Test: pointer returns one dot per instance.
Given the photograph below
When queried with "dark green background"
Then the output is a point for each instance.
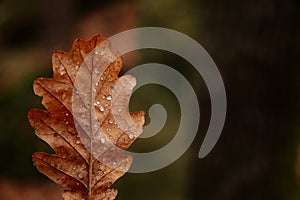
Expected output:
(255, 45)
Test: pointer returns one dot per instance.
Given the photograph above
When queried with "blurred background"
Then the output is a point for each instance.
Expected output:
(256, 46)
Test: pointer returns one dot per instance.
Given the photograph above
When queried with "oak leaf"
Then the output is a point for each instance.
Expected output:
(86, 120)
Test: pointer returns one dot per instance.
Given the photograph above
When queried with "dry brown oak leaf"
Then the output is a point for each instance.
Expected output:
(86, 120)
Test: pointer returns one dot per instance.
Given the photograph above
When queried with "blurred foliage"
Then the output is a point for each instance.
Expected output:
(256, 46)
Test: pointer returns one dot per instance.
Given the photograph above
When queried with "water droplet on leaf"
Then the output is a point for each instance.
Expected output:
(108, 97)
(101, 108)
(102, 140)
(130, 135)
(80, 175)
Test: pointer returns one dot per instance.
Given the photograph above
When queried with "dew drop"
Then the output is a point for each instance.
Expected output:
(80, 175)
(108, 97)
(101, 78)
(70, 129)
(110, 121)
(103, 97)
(77, 141)
(67, 114)
(101, 108)
(63, 96)
(102, 140)
(61, 70)
(109, 176)
(131, 136)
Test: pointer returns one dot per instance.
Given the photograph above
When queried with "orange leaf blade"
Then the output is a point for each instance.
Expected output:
(86, 120)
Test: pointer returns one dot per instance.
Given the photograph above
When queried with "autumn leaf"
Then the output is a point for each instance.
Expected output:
(86, 120)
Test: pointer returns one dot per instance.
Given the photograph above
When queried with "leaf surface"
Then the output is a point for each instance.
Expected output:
(86, 120)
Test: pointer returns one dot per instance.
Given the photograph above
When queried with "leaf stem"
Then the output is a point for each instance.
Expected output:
(90, 174)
